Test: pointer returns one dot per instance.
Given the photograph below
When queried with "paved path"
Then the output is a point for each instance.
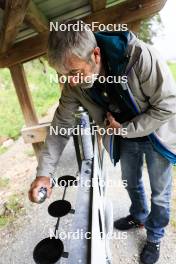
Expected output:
(17, 243)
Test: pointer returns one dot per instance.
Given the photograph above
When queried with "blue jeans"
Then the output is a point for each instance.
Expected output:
(160, 174)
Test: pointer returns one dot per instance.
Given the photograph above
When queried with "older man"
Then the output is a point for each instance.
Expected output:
(144, 105)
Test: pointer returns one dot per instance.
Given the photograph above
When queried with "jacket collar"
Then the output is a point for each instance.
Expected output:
(113, 46)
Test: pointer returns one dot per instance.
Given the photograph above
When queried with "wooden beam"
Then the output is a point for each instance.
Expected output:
(124, 13)
(24, 95)
(13, 18)
(127, 12)
(97, 5)
(25, 99)
(25, 50)
(2, 4)
(35, 18)
(35, 134)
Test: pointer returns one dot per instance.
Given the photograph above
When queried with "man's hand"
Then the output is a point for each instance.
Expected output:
(112, 123)
(40, 181)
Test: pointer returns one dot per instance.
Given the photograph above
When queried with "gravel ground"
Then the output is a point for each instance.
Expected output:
(18, 241)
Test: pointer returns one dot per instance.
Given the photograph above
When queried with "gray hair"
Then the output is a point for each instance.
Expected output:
(63, 43)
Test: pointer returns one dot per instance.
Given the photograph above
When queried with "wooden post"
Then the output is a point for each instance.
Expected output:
(25, 100)
(14, 14)
(97, 5)
(36, 18)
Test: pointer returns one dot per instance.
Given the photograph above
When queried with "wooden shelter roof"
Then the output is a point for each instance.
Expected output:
(25, 24)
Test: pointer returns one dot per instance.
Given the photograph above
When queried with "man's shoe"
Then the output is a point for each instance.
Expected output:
(150, 253)
(127, 223)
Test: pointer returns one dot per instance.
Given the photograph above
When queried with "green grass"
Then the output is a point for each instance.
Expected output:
(4, 182)
(44, 95)
(14, 204)
(4, 221)
(30, 153)
(172, 67)
(14, 208)
(2, 149)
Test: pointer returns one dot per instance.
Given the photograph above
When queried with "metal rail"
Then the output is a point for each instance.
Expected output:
(93, 216)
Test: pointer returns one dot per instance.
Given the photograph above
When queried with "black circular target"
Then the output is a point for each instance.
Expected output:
(48, 251)
(59, 208)
(67, 180)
